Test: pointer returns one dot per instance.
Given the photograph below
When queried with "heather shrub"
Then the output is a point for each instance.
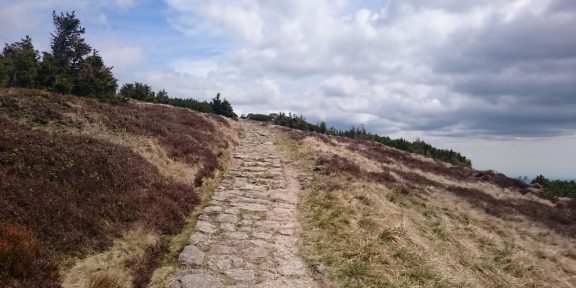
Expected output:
(18, 251)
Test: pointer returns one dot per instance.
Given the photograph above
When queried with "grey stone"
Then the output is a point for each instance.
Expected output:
(286, 232)
(199, 239)
(254, 207)
(213, 209)
(237, 235)
(204, 217)
(221, 249)
(262, 235)
(192, 256)
(196, 281)
(224, 262)
(287, 283)
(241, 275)
(228, 227)
(232, 210)
(214, 203)
(256, 252)
(268, 224)
(292, 267)
(227, 218)
(205, 227)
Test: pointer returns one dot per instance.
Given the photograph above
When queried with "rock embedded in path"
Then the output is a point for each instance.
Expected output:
(241, 274)
(192, 256)
(196, 281)
(206, 227)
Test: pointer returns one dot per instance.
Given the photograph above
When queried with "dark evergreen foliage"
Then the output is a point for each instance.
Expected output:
(19, 64)
(138, 91)
(143, 92)
(200, 106)
(556, 188)
(222, 107)
(259, 117)
(95, 79)
(72, 67)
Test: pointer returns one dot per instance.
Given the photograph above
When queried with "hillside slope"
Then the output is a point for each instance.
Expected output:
(75, 174)
(375, 216)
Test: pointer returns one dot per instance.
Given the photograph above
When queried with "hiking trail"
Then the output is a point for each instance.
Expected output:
(247, 234)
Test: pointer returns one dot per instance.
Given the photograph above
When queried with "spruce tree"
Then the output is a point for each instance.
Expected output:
(222, 107)
(94, 79)
(69, 49)
(138, 91)
(19, 63)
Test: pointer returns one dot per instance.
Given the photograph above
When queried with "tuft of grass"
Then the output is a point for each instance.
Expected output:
(439, 231)
(420, 275)
(355, 270)
(102, 281)
(18, 251)
(391, 234)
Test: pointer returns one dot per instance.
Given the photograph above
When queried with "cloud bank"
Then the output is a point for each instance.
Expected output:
(493, 79)
(446, 67)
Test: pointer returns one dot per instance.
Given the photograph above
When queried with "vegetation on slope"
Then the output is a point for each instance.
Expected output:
(418, 146)
(75, 174)
(73, 67)
(378, 217)
(556, 188)
(144, 92)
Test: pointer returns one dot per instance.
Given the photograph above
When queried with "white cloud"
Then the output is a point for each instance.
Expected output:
(125, 4)
(411, 68)
(121, 54)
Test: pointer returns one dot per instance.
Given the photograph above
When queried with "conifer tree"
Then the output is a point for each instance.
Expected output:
(69, 49)
(222, 107)
(138, 91)
(19, 63)
(94, 79)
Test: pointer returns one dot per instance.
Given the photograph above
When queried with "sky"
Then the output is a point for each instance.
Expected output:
(492, 79)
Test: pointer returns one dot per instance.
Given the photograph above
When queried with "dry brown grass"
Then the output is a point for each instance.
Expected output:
(111, 268)
(76, 174)
(428, 226)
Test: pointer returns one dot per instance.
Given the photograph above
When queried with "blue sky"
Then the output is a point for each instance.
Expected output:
(492, 79)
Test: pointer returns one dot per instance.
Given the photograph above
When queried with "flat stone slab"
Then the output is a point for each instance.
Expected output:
(288, 283)
(213, 209)
(192, 256)
(206, 227)
(196, 281)
(227, 218)
(199, 239)
(254, 207)
(241, 275)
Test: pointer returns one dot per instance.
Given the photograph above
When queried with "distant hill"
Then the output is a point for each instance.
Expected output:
(376, 216)
(75, 174)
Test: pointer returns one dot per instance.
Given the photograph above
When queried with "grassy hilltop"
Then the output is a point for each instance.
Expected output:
(75, 174)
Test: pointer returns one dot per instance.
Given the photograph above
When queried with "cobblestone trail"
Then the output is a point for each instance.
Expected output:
(246, 236)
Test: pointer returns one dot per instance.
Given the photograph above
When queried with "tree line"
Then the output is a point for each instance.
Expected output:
(74, 67)
(556, 188)
(144, 92)
(418, 146)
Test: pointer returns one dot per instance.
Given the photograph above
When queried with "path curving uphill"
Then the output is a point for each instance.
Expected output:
(246, 236)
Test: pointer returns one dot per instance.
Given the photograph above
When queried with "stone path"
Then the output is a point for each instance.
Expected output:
(246, 236)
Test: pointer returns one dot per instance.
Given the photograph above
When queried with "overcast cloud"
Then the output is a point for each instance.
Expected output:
(457, 73)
